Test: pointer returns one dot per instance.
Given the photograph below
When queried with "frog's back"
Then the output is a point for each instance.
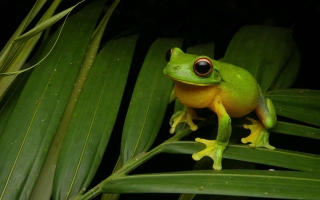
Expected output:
(239, 90)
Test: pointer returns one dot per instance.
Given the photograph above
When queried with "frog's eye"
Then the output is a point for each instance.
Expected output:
(168, 55)
(202, 67)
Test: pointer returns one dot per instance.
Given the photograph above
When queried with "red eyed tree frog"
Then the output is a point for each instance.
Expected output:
(227, 90)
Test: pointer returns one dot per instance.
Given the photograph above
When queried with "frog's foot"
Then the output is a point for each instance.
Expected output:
(186, 115)
(213, 149)
(259, 136)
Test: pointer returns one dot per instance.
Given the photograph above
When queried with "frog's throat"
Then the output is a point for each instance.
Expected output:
(189, 83)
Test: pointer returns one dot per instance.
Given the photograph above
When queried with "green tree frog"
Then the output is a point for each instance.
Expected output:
(227, 90)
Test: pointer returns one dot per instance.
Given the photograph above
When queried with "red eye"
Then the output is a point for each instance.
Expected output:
(202, 67)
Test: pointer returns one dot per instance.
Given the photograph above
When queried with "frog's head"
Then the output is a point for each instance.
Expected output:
(190, 69)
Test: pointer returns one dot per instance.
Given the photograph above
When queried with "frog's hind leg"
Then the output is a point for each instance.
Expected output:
(259, 136)
(266, 111)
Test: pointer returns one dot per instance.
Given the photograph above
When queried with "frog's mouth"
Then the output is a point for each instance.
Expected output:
(187, 82)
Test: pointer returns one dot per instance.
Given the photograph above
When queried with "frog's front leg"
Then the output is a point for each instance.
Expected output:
(259, 136)
(215, 148)
(186, 115)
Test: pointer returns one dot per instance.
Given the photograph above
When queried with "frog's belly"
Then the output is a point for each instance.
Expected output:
(239, 101)
(236, 103)
(195, 96)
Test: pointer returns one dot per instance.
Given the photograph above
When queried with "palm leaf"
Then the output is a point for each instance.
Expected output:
(93, 119)
(33, 123)
(144, 116)
(272, 184)
(299, 104)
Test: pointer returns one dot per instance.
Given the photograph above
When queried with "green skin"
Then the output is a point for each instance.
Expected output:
(229, 91)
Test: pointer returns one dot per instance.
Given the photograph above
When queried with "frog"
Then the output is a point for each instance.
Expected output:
(229, 91)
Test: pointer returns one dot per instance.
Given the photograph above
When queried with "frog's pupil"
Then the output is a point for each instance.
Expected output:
(202, 68)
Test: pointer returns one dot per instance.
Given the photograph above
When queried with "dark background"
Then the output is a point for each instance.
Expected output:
(196, 22)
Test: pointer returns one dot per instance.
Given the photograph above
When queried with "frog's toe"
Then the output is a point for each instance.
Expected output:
(208, 151)
(213, 150)
(193, 127)
(172, 129)
(259, 136)
(186, 115)
(177, 117)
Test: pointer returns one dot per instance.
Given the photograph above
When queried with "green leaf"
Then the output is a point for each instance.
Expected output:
(264, 51)
(298, 104)
(11, 100)
(278, 157)
(33, 12)
(252, 183)
(290, 72)
(297, 130)
(29, 132)
(93, 119)
(202, 49)
(19, 41)
(281, 158)
(43, 187)
(148, 103)
(12, 60)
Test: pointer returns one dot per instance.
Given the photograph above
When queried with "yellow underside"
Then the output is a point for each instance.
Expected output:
(236, 102)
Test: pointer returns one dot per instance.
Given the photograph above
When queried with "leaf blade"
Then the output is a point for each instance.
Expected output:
(33, 123)
(93, 118)
(262, 50)
(148, 102)
(299, 104)
(85, 18)
(252, 183)
(278, 157)
(297, 130)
